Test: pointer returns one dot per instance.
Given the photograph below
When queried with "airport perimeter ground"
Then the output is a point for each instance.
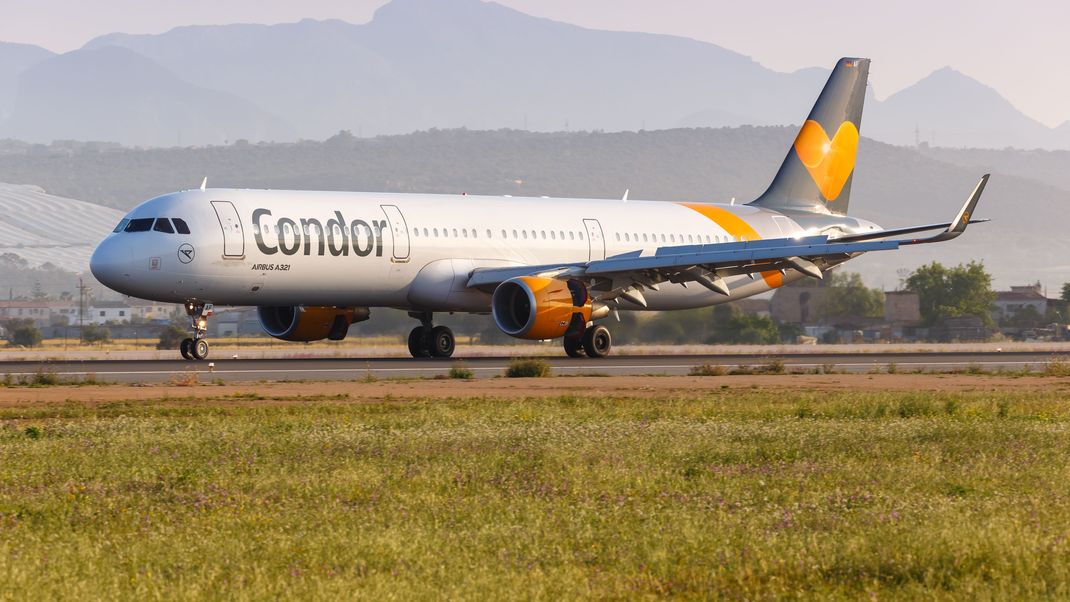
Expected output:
(885, 486)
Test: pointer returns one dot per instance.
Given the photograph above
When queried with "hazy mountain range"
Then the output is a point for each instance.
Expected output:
(421, 64)
(894, 186)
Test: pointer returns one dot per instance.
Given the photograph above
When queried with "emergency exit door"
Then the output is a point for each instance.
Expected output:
(596, 243)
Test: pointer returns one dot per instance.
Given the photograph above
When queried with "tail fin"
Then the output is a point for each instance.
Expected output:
(816, 175)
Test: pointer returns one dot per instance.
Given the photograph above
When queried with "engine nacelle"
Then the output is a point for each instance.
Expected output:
(531, 307)
(300, 323)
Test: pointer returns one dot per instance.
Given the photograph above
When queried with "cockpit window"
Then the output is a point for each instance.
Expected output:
(180, 225)
(140, 225)
(163, 225)
(122, 225)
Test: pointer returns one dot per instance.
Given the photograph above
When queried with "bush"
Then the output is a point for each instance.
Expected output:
(462, 371)
(528, 368)
(171, 337)
(707, 370)
(23, 333)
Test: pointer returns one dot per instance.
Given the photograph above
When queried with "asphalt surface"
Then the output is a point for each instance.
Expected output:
(237, 370)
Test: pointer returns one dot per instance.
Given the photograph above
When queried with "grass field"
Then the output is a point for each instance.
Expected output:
(750, 494)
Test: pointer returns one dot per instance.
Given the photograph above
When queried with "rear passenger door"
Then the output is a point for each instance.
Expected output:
(233, 234)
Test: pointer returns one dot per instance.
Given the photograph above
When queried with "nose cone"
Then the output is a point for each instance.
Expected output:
(110, 264)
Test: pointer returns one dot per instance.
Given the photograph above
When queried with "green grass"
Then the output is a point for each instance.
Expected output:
(739, 494)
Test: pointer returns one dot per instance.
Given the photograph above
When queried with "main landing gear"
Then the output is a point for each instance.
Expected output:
(428, 340)
(595, 342)
(196, 348)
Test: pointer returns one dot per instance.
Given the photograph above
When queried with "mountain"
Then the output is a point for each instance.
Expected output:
(420, 64)
(950, 109)
(423, 64)
(14, 59)
(112, 93)
(41, 228)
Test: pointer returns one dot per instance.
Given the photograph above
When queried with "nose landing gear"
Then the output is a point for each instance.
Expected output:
(428, 340)
(196, 348)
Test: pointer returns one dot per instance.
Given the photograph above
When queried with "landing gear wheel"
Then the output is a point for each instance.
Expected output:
(574, 346)
(597, 342)
(186, 348)
(199, 350)
(417, 344)
(442, 342)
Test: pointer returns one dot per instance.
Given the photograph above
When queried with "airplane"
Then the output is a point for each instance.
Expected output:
(314, 263)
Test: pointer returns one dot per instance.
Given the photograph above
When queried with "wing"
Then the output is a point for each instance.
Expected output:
(626, 276)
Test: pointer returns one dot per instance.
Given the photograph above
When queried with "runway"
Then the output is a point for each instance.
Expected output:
(239, 370)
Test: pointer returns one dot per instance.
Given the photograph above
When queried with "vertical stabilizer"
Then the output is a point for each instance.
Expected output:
(816, 175)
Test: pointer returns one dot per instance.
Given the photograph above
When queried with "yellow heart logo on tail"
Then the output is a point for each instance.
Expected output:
(830, 162)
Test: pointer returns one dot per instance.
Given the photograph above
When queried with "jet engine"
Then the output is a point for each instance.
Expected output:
(536, 308)
(301, 323)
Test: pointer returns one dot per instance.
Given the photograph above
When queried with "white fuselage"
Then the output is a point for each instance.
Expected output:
(409, 251)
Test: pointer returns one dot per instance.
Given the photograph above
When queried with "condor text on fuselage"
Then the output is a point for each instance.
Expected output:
(289, 236)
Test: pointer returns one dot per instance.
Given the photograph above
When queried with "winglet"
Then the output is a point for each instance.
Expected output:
(204, 183)
(958, 226)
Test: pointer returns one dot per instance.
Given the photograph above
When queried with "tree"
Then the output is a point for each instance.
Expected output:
(731, 325)
(23, 333)
(1066, 292)
(964, 290)
(848, 296)
(1026, 317)
(92, 333)
(171, 336)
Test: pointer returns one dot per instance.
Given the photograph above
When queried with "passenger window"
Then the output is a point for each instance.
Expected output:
(553, 235)
(525, 234)
(163, 225)
(514, 234)
(122, 225)
(455, 232)
(465, 232)
(618, 236)
(627, 237)
(571, 235)
(644, 237)
(581, 235)
(436, 232)
(489, 234)
(140, 225)
(415, 231)
(544, 234)
(425, 231)
(562, 235)
(180, 226)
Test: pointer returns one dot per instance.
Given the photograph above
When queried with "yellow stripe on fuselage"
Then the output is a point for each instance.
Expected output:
(738, 228)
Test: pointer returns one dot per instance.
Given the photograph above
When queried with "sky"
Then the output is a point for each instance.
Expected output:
(1018, 48)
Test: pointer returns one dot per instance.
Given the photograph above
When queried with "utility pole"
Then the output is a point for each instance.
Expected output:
(81, 312)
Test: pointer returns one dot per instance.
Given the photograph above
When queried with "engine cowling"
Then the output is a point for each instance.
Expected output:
(536, 308)
(301, 323)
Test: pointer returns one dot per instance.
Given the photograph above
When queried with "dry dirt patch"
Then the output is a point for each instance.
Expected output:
(609, 386)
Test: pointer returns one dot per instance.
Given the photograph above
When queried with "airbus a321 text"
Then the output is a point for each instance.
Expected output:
(314, 263)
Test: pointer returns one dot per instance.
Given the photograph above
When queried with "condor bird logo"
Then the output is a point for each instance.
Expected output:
(830, 162)
(186, 253)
